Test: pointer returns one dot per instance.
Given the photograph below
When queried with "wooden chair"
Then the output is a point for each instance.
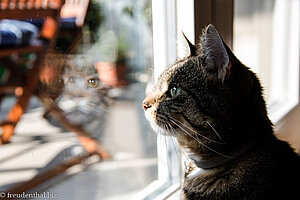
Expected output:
(50, 11)
(21, 10)
(75, 10)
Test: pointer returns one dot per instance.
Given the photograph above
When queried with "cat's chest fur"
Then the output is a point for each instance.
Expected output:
(269, 171)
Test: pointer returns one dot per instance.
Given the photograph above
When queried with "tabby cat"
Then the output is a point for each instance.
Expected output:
(78, 92)
(213, 105)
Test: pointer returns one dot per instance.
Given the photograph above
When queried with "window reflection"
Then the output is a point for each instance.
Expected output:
(92, 82)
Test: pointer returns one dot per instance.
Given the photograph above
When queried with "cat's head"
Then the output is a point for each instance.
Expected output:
(209, 97)
(81, 81)
(83, 86)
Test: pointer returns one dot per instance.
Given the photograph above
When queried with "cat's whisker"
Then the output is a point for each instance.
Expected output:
(186, 132)
(103, 108)
(170, 129)
(174, 146)
(167, 152)
(149, 68)
(214, 130)
(189, 134)
(161, 140)
(186, 158)
(195, 131)
(177, 152)
(173, 138)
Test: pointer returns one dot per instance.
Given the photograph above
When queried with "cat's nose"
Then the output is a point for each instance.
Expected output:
(146, 105)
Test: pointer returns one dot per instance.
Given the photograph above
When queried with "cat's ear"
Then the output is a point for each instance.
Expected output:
(192, 48)
(213, 52)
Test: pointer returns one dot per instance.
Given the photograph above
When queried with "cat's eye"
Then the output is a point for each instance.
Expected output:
(174, 92)
(93, 82)
(71, 80)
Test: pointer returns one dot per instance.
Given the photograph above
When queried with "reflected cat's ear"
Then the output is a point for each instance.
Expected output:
(192, 48)
(214, 53)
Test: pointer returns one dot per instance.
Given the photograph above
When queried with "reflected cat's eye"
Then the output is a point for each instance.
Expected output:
(93, 82)
(174, 92)
(71, 80)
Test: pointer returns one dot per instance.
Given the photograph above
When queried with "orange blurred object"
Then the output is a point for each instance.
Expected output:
(49, 28)
(49, 73)
(111, 74)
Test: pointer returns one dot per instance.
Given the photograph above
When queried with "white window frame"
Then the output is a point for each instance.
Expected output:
(164, 53)
(285, 69)
(284, 74)
(170, 18)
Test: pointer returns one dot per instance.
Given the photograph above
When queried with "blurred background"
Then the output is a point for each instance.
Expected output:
(113, 41)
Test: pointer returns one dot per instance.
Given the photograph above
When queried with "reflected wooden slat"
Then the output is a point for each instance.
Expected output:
(8, 51)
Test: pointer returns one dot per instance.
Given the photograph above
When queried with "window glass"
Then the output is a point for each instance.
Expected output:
(266, 38)
(116, 43)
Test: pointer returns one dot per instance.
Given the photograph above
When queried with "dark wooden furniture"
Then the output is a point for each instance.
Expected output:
(49, 11)
(75, 10)
(21, 10)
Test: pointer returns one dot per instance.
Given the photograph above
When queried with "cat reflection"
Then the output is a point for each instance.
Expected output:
(80, 94)
(85, 98)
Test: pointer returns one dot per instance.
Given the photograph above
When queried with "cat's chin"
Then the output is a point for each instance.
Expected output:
(155, 125)
(158, 129)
